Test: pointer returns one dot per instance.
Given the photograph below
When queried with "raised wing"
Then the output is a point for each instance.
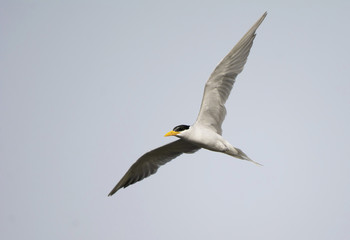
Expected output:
(218, 87)
(149, 163)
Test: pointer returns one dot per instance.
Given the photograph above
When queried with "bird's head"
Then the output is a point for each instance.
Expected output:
(178, 130)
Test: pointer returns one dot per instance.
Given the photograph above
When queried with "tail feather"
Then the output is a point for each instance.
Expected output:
(241, 155)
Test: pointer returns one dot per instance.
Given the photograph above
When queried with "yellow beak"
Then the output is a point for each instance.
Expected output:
(171, 133)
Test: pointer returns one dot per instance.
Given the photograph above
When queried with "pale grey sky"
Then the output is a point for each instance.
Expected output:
(86, 87)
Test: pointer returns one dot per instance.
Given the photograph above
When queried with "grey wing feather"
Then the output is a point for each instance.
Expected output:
(218, 87)
(149, 163)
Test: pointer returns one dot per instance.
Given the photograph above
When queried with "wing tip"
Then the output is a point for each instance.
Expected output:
(112, 192)
(117, 187)
(257, 24)
(263, 17)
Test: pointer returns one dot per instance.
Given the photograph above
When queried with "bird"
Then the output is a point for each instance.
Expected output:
(206, 132)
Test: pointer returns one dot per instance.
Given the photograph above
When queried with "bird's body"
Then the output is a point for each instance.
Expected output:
(206, 132)
(205, 137)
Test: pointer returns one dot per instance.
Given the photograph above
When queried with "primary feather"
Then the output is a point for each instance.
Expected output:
(149, 163)
(218, 87)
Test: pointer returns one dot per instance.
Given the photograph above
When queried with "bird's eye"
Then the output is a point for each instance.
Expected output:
(181, 128)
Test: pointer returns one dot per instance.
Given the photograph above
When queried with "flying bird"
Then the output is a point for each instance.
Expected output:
(206, 132)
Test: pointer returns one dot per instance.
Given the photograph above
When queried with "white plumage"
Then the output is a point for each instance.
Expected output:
(206, 131)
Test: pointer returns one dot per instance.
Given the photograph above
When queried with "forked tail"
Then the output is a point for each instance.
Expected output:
(241, 155)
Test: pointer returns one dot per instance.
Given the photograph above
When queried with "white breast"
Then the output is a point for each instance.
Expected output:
(206, 138)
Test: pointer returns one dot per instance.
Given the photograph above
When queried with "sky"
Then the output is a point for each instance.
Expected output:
(87, 87)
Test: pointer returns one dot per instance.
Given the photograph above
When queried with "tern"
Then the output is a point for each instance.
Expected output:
(206, 132)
